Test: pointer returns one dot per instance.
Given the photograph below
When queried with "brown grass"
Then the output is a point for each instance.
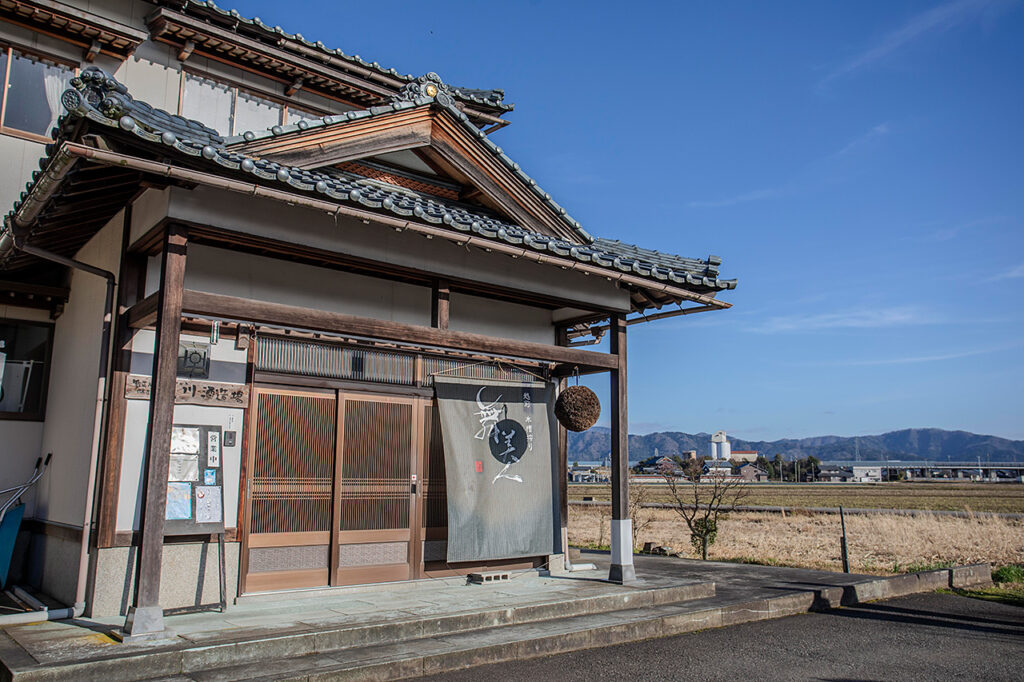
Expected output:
(878, 543)
(976, 497)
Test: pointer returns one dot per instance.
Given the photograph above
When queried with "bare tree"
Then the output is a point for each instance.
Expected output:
(701, 498)
(639, 495)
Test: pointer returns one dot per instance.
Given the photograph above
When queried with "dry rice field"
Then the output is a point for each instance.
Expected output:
(975, 497)
(878, 543)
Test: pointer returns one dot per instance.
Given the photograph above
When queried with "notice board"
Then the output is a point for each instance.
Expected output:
(195, 482)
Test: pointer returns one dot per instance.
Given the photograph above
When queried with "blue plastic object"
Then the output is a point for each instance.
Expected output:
(8, 536)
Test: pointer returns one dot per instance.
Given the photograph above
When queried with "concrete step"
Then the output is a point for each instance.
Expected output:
(246, 653)
(439, 654)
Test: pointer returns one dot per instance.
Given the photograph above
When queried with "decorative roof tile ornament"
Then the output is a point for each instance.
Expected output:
(427, 86)
(96, 95)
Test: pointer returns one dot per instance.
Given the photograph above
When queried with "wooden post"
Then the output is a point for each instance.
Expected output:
(131, 285)
(622, 526)
(439, 303)
(146, 617)
(563, 465)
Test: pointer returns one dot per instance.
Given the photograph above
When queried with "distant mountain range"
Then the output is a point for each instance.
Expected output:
(930, 444)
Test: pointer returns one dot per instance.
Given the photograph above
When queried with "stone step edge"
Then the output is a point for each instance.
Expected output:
(176, 659)
(797, 602)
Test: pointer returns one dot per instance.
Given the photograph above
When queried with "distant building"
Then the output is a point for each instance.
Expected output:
(717, 469)
(835, 475)
(720, 448)
(867, 474)
(752, 472)
(744, 455)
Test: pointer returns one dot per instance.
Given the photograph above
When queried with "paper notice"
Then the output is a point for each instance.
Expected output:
(213, 449)
(179, 501)
(208, 504)
(183, 468)
(185, 441)
(210, 477)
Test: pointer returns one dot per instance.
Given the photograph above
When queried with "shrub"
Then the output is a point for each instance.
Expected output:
(1012, 573)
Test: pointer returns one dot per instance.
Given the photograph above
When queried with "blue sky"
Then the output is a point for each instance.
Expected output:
(858, 166)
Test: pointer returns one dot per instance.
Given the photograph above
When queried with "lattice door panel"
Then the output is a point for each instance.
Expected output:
(375, 489)
(377, 465)
(291, 489)
(435, 490)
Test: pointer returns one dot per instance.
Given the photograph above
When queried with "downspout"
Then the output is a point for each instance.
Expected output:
(97, 434)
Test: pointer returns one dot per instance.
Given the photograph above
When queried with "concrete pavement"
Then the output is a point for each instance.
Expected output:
(410, 629)
(923, 637)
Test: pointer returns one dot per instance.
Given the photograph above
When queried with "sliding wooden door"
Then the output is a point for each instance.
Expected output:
(377, 479)
(290, 489)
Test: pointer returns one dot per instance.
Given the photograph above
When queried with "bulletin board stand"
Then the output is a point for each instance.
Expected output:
(195, 492)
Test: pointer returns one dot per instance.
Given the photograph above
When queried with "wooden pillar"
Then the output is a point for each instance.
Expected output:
(622, 526)
(439, 303)
(146, 615)
(131, 287)
(563, 464)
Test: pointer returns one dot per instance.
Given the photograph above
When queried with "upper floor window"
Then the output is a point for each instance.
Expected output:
(232, 111)
(31, 94)
(24, 368)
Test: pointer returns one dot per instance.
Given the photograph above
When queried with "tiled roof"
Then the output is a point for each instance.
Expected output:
(427, 90)
(99, 98)
(491, 98)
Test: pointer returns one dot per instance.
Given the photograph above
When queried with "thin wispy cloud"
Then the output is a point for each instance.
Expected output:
(918, 359)
(878, 131)
(1012, 273)
(946, 233)
(927, 24)
(756, 195)
(860, 318)
(811, 175)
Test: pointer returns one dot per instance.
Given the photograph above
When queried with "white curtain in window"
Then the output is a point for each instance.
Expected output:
(255, 113)
(209, 103)
(54, 82)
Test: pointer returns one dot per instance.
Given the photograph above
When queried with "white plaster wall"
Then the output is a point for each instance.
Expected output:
(498, 318)
(71, 398)
(20, 158)
(153, 75)
(226, 272)
(148, 210)
(276, 220)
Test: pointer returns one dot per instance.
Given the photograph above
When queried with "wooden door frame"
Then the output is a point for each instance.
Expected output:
(414, 551)
(245, 528)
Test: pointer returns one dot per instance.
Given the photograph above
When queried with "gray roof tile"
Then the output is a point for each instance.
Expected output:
(203, 146)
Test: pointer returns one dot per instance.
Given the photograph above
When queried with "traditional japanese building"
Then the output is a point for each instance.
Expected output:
(257, 290)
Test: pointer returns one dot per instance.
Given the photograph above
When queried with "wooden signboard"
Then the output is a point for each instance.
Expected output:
(191, 392)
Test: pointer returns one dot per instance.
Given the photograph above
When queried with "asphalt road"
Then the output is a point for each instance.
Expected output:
(920, 637)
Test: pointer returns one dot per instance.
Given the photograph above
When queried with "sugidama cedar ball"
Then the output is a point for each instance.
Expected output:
(577, 408)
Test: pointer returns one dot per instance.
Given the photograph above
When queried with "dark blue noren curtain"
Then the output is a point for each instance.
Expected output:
(500, 442)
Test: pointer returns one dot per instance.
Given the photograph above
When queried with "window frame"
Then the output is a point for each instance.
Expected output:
(39, 415)
(236, 87)
(9, 48)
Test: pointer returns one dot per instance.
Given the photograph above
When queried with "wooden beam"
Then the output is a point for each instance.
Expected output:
(261, 312)
(186, 51)
(146, 615)
(440, 300)
(335, 152)
(144, 313)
